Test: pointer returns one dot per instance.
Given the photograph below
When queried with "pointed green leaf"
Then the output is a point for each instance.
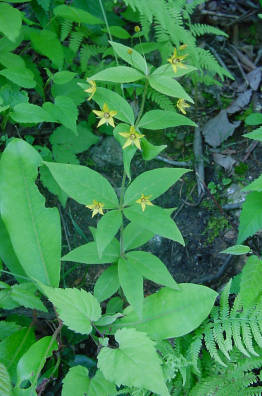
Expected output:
(24, 295)
(131, 56)
(167, 71)
(118, 74)
(107, 228)
(76, 15)
(251, 216)
(28, 113)
(150, 151)
(250, 283)
(134, 363)
(254, 119)
(171, 313)
(107, 284)
(133, 236)
(83, 184)
(128, 152)
(34, 230)
(237, 250)
(156, 220)
(76, 308)
(151, 268)
(10, 21)
(256, 134)
(76, 382)
(169, 86)
(67, 112)
(153, 183)
(161, 119)
(46, 43)
(63, 77)
(20, 76)
(131, 282)
(256, 185)
(99, 386)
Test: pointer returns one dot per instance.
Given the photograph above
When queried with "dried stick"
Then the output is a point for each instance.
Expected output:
(199, 162)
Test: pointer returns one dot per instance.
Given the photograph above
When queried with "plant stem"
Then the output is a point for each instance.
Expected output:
(142, 104)
(107, 26)
(122, 249)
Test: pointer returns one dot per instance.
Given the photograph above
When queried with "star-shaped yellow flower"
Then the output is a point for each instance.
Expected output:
(133, 138)
(96, 207)
(92, 89)
(143, 201)
(182, 105)
(177, 60)
(106, 116)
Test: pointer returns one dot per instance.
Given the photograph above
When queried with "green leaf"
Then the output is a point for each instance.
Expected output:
(118, 32)
(76, 308)
(63, 77)
(115, 102)
(83, 184)
(107, 284)
(24, 295)
(118, 74)
(156, 220)
(20, 76)
(237, 250)
(88, 254)
(5, 382)
(32, 362)
(99, 386)
(30, 113)
(64, 111)
(114, 305)
(10, 60)
(250, 283)
(10, 21)
(71, 90)
(107, 228)
(128, 152)
(46, 43)
(169, 86)
(8, 328)
(167, 71)
(133, 236)
(152, 268)
(76, 382)
(256, 134)
(150, 151)
(254, 119)
(256, 185)
(153, 183)
(250, 220)
(171, 313)
(134, 363)
(13, 347)
(12, 95)
(34, 230)
(134, 59)
(48, 181)
(131, 282)
(76, 15)
(161, 119)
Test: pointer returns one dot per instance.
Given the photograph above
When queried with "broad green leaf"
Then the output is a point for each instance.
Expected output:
(10, 60)
(156, 220)
(99, 386)
(6, 301)
(114, 305)
(63, 77)
(133, 236)
(71, 90)
(13, 347)
(64, 111)
(134, 363)
(131, 282)
(169, 86)
(8, 255)
(88, 254)
(5, 382)
(107, 284)
(32, 362)
(256, 134)
(48, 181)
(151, 268)
(150, 151)
(83, 184)
(10, 21)
(161, 119)
(20, 76)
(115, 102)
(107, 320)
(34, 230)
(107, 228)
(237, 250)
(118, 74)
(153, 183)
(24, 295)
(256, 185)
(12, 95)
(118, 31)
(76, 308)
(128, 152)
(76, 15)
(46, 43)
(250, 220)
(171, 313)
(250, 283)
(254, 119)
(131, 56)
(167, 71)
(8, 328)
(29, 113)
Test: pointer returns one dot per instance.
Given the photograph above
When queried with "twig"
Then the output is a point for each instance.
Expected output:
(251, 148)
(218, 57)
(238, 65)
(174, 163)
(210, 278)
(199, 162)
(243, 58)
(231, 206)
(218, 14)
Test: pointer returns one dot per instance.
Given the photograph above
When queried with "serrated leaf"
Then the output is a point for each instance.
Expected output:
(161, 119)
(134, 236)
(169, 86)
(76, 15)
(171, 313)
(5, 382)
(153, 183)
(46, 43)
(24, 295)
(134, 363)
(131, 56)
(76, 308)
(25, 215)
(118, 74)
(83, 184)
(107, 228)
(10, 21)
(251, 216)
(250, 283)
(237, 250)
(20, 76)
(107, 284)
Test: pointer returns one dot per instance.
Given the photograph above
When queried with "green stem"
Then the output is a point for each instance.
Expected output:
(142, 104)
(122, 248)
(107, 26)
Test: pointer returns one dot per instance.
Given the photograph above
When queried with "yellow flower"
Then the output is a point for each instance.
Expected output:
(106, 116)
(143, 201)
(96, 207)
(92, 89)
(182, 105)
(133, 138)
(177, 60)
(137, 29)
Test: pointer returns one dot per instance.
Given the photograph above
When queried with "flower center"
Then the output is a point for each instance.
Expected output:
(174, 61)
(106, 115)
(143, 200)
(132, 136)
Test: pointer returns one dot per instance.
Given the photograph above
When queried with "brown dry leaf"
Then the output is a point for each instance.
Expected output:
(241, 102)
(224, 160)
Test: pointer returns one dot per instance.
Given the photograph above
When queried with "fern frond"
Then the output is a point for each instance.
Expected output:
(75, 41)
(198, 29)
(162, 101)
(65, 29)
(208, 62)
(211, 345)
(190, 7)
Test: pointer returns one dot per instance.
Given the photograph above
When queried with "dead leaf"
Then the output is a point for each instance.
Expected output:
(224, 160)
(254, 78)
(240, 103)
(218, 129)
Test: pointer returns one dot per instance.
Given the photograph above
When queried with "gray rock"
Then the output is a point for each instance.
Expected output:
(108, 152)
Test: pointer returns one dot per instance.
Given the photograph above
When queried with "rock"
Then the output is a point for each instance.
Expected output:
(108, 152)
